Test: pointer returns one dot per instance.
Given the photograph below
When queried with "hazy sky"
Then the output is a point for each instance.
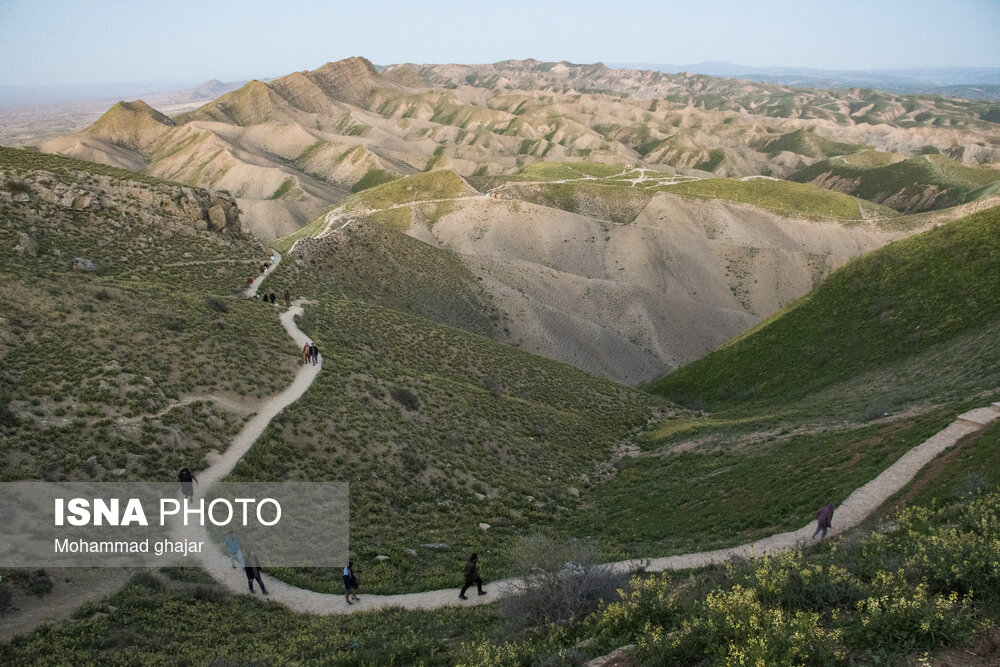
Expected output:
(84, 42)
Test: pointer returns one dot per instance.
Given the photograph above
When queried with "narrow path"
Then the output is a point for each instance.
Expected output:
(858, 506)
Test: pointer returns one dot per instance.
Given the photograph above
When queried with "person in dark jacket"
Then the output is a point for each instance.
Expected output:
(472, 576)
(185, 477)
(350, 583)
(252, 568)
(288, 299)
(314, 353)
(824, 519)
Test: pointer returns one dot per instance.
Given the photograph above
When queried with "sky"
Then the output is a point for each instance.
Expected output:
(93, 42)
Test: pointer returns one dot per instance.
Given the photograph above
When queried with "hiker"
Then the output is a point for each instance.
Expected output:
(824, 519)
(233, 547)
(185, 477)
(314, 353)
(272, 298)
(306, 352)
(263, 269)
(350, 583)
(252, 568)
(472, 576)
(250, 280)
(288, 298)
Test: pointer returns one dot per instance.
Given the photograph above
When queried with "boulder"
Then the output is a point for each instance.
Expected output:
(84, 264)
(82, 202)
(216, 218)
(26, 244)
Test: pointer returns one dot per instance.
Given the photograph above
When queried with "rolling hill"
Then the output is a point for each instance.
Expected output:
(289, 147)
(624, 273)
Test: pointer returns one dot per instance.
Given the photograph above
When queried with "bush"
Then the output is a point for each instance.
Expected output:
(7, 416)
(875, 411)
(218, 305)
(733, 627)
(406, 398)
(560, 582)
(16, 187)
(39, 583)
(5, 598)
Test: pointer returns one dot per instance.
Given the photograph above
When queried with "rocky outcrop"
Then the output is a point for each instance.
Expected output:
(93, 193)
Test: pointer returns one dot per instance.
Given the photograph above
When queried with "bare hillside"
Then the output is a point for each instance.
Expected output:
(290, 147)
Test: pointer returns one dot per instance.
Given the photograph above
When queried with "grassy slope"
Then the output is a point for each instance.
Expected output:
(89, 357)
(439, 184)
(816, 401)
(380, 265)
(776, 195)
(491, 420)
(809, 144)
(911, 179)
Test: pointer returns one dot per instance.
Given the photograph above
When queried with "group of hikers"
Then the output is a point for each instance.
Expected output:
(251, 563)
(310, 352)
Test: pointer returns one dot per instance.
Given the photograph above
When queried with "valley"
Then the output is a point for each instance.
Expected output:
(619, 332)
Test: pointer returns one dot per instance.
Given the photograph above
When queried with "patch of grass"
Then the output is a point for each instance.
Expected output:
(246, 631)
(719, 496)
(781, 196)
(715, 158)
(808, 143)
(372, 178)
(308, 230)
(441, 184)
(283, 189)
(614, 203)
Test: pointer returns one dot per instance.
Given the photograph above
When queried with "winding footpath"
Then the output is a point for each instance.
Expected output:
(857, 507)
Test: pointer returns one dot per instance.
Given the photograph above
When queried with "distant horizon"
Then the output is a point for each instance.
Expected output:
(175, 84)
(65, 43)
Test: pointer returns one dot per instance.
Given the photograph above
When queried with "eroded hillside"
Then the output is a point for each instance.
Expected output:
(289, 147)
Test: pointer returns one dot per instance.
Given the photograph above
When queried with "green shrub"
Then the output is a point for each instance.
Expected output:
(406, 398)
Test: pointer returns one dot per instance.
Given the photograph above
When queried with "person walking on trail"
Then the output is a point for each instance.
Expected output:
(314, 353)
(233, 547)
(306, 352)
(350, 583)
(272, 298)
(288, 299)
(252, 568)
(185, 477)
(824, 519)
(472, 577)
(263, 269)
(249, 280)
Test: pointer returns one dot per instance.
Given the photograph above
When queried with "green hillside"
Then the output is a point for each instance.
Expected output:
(881, 308)
(810, 144)
(921, 183)
(103, 370)
(781, 196)
(109, 375)
(827, 393)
